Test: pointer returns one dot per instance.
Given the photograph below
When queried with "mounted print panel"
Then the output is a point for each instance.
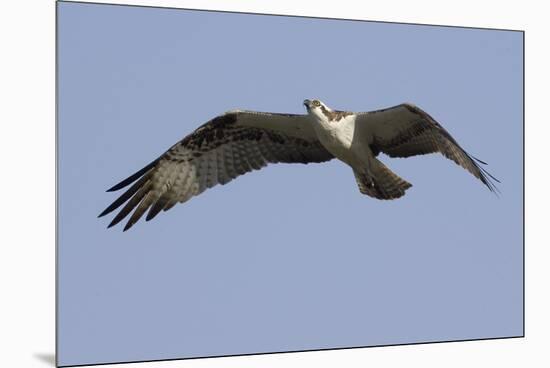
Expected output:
(271, 183)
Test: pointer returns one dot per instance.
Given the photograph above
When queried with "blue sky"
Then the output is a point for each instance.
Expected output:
(291, 257)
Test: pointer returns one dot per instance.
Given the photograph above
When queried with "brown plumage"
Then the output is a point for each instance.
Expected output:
(238, 142)
(406, 130)
(217, 152)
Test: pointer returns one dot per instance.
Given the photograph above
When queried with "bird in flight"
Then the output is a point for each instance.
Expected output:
(241, 141)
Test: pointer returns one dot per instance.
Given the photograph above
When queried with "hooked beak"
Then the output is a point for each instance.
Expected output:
(307, 103)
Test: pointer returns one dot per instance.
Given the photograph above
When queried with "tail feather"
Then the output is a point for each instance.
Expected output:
(384, 184)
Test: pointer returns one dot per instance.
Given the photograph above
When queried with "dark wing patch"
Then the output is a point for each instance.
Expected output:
(406, 130)
(215, 153)
(334, 115)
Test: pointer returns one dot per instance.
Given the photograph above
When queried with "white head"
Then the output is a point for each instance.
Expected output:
(318, 110)
(324, 114)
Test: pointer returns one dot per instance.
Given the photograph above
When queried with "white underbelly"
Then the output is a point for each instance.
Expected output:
(337, 142)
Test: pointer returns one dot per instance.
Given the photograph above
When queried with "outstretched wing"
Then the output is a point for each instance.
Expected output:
(217, 152)
(406, 130)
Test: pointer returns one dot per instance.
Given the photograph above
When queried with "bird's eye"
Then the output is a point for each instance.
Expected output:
(316, 103)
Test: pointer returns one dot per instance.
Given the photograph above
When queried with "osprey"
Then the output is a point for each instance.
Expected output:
(240, 141)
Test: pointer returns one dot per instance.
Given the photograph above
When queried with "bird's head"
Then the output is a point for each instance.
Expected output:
(317, 109)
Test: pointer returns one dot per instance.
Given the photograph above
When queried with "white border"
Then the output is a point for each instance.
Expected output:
(27, 183)
(394, 11)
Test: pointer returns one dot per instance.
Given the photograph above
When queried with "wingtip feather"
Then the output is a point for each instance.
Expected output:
(129, 180)
(478, 160)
